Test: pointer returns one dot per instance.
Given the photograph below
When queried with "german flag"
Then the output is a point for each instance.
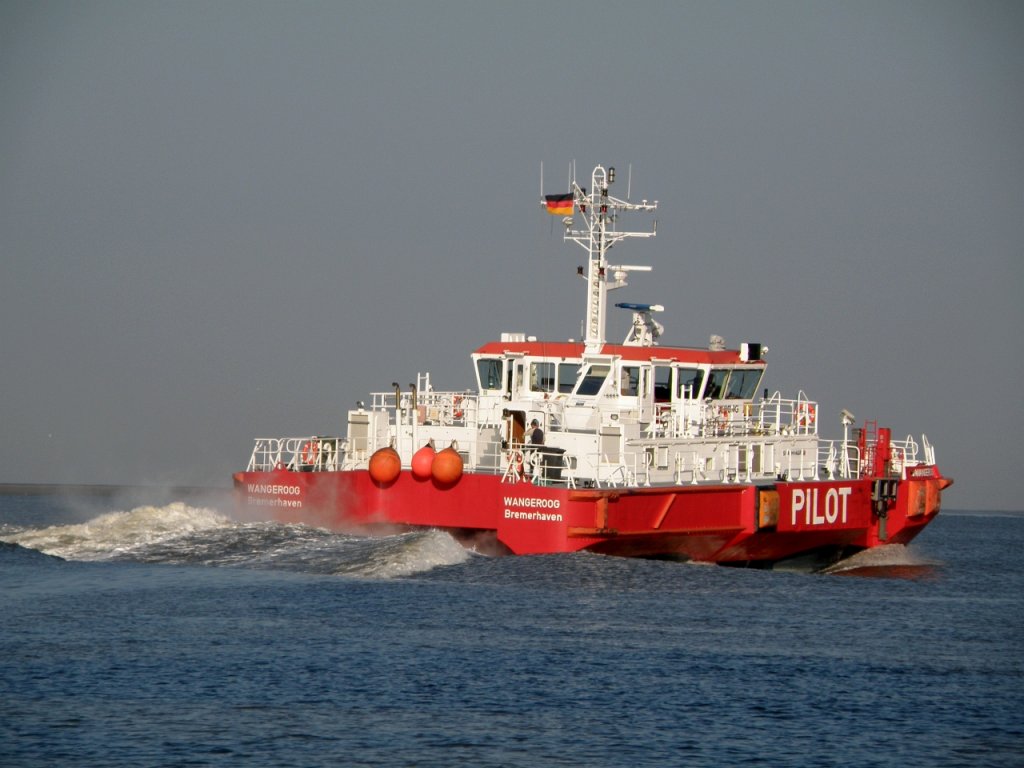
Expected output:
(559, 205)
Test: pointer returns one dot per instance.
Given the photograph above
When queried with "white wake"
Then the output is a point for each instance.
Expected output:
(120, 533)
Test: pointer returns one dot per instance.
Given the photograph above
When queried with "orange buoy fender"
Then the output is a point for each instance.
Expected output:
(422, 461)
(385, 466)
(447, 466)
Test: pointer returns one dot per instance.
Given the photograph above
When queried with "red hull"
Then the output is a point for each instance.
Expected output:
(732, 523)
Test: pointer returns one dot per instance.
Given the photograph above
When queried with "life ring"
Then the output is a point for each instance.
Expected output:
(663, 421)
(310, 451)
(457, 412)
(805, 414)
(721, 422)
(516, 463)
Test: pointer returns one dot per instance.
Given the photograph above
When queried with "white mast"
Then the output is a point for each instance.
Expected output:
(600, 218)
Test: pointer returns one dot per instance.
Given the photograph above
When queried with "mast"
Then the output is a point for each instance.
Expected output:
(600, 212)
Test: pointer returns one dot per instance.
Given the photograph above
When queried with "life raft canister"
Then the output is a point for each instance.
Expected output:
(385, 466)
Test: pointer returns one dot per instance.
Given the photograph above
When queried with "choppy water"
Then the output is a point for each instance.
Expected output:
(166, 633)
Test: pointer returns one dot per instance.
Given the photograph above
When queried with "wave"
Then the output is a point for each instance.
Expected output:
(15, 553)
(185, 535)
(119, 533)
(886, 561)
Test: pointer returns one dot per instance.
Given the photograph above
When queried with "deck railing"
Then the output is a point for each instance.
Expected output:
(773, 437)
(312, 453)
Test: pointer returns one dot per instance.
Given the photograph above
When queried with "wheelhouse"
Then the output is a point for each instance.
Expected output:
(524, 371)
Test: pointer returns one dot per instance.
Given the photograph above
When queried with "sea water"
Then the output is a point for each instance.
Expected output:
(158, 632)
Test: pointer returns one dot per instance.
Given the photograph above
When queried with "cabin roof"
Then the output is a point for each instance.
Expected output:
(576, 350)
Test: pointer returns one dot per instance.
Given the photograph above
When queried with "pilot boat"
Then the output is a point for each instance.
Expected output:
(634, 448)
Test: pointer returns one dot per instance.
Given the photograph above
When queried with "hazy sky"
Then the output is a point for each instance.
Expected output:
(224, 220)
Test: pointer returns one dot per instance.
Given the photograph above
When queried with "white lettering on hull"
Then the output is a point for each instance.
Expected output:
(291, 503)
(274, 490)
(548, 517)
(532, 502)
(806, 501)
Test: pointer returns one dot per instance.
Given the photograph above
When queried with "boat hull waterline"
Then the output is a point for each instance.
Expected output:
(728, 523)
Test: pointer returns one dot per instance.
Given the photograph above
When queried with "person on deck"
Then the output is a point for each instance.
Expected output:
(536, 433)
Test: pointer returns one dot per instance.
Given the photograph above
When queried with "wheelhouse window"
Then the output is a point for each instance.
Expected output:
(662, 383)
(593, 379)
(542, 377)
(689, 382)
(489, 371)
(716, 384)
(629, 380)
(743, 383)
(568, 373)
